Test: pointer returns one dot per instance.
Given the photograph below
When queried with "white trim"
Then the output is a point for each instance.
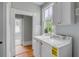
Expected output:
(4, 30)
(13, 12)
(23, 12)
(27, 43)
(8, 10)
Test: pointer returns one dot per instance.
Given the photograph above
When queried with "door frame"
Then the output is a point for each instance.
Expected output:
(6, 28)
(12, 26)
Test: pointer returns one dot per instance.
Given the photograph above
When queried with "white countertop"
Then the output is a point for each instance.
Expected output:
(53, 42)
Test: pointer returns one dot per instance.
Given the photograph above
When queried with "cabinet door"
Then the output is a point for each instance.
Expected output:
(63, 13)
(36, 48)
(57, 13)
(67, 13)
(46, 50)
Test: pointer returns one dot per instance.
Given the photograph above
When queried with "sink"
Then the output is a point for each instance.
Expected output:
(45, 37)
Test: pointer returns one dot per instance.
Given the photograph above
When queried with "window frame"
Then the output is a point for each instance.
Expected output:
(43, 15)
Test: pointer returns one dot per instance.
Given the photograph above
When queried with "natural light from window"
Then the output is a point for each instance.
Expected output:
(48, 20)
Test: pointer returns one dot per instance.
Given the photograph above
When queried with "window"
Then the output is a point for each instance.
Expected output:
(48, 26)
(17, 26)
(48, 13)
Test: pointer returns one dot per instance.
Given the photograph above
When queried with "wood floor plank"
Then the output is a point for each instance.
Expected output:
(24, 51)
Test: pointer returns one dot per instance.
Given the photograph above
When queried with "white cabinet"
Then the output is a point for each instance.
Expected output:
(65, 51)
(46, 50)
(51, 47)
(57, 13)
(36, 48)
(50, 51)
(63, 13)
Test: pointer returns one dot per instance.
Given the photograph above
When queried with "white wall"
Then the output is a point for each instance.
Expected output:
(29, 6)
(71, 30)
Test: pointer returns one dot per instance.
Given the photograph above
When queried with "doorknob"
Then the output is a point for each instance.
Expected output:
(1, 42)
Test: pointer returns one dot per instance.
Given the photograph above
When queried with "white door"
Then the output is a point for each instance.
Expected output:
(1, 49)
(46, 50)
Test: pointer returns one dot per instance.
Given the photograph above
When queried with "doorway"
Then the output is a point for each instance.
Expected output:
(12, 28)
(23, 36)
(18, 30)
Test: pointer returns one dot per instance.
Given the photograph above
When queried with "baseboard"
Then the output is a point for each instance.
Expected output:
(27, 43)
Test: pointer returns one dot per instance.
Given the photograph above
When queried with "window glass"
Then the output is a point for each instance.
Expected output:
(17, 26)
(48, 24)
(50, 11)
(46, 13)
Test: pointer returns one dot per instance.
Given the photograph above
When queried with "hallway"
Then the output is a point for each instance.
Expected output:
(24, 51)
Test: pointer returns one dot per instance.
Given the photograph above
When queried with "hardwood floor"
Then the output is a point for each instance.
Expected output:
(24, 51)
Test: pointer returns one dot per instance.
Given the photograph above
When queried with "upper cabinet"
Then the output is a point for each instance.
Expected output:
(63, 13)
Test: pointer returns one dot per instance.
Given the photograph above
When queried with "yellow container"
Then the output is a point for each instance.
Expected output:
(54, 52)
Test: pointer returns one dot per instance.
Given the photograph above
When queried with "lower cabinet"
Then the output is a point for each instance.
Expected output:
(43, 49)
(46, 50)
(50, 51)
